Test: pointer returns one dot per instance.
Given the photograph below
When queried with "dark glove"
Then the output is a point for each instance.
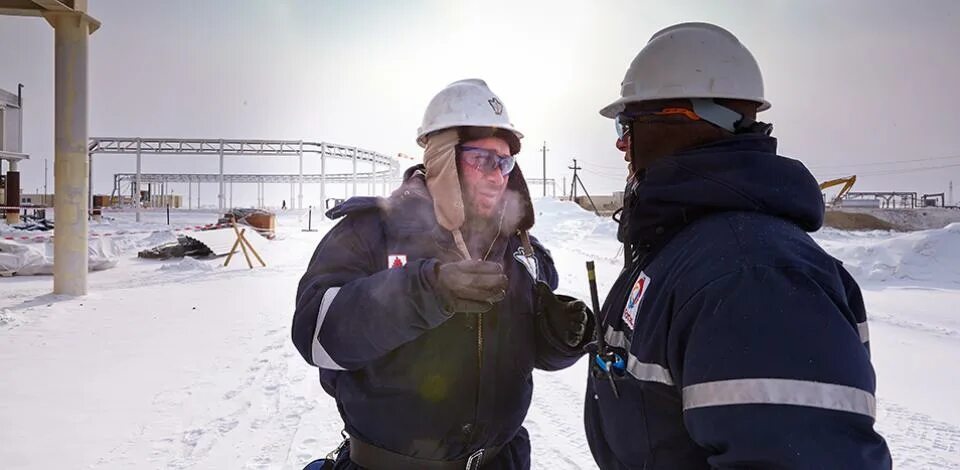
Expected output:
(470, 286)
(567, 318)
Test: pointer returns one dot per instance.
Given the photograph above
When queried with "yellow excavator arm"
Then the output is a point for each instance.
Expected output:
(847, 186)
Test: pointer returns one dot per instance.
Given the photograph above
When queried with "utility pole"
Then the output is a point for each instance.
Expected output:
(45, 182)
(573, 187)
(951, 192)
(544, 150)
(573, 183)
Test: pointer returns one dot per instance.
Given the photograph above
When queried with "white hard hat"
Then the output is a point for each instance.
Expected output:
(465, 103)
(691, 60)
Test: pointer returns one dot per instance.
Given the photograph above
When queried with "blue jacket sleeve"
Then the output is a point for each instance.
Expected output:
(552, 354)
(350, 309)
(774, 373)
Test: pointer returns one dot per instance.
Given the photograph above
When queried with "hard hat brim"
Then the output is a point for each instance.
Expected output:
(613, 109)
(422, 135)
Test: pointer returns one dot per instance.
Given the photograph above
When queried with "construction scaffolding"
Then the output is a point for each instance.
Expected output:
(382, 168)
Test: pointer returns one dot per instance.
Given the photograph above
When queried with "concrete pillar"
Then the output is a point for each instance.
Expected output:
(231, 194)
(70, 166)
(220, 200)
(373, 177)
(13, 193)
(300, 176)
(189, 195)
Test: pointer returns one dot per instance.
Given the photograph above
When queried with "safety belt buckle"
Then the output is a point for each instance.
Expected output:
(474, 461)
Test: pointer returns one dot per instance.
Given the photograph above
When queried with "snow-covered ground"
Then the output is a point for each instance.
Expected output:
(186, 364)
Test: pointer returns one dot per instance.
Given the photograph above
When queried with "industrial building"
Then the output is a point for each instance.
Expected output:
(11, 152)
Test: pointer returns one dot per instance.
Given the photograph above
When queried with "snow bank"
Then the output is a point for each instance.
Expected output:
(128, 243)
(564, 218)
(927, 256)
(912, 219)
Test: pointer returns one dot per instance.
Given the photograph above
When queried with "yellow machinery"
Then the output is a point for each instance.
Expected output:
(847, 186)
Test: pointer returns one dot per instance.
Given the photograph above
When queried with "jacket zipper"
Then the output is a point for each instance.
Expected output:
(476, 405)
(479, 341)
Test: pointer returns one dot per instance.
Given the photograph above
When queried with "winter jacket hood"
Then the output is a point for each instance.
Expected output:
(743, 174)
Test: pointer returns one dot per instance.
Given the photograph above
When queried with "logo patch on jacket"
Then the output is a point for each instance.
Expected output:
(529, 262)
(396, 261)
(636, 297)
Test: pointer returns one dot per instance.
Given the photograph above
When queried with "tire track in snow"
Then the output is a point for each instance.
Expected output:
(898, 321)
(266, 405)
(556, 435)
(918, 441)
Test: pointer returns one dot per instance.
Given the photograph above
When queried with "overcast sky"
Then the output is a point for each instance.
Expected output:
(854, 84)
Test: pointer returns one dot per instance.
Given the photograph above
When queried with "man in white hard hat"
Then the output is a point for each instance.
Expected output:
(427, 311)
(730, 339)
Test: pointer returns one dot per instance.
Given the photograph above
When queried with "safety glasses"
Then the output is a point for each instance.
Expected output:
(624, 120)
(486, 160)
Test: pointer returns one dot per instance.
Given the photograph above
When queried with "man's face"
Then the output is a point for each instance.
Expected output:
(483, 188)
(648, 136)
(623, 145)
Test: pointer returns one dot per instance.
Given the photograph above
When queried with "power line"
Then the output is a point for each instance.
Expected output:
(609, 167)
(897, 171)
(605, 175)
(888, 162)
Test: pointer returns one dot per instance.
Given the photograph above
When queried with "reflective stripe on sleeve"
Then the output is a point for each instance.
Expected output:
(645, 371)
(864, 331)
(780, 392)
(320, 356)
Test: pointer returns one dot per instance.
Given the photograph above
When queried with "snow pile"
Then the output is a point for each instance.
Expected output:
(927, 256)
(26, 259)
(17, 256)
(564, 218)
(128, 243)
(912, 219)
(187, 264)
(8, 318)
(565, 225)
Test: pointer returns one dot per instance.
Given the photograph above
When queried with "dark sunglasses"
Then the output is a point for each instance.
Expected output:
(485, 160)
(624, 121)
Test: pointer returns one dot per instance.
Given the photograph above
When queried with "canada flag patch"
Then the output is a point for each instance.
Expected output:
(396, 261)
(635, 299)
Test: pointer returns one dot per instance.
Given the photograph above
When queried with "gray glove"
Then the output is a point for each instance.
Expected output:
(470, 286)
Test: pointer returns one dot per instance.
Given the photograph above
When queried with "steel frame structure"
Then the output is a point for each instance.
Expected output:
(888, 198)
(221, 148)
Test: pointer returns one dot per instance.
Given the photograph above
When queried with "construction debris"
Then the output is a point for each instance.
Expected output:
(34, 224)
(264, 222)
(184, 246)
